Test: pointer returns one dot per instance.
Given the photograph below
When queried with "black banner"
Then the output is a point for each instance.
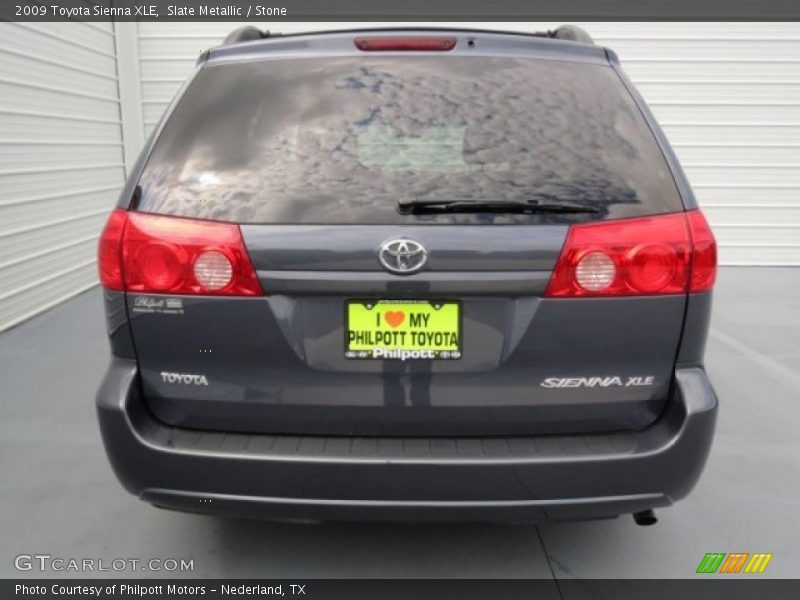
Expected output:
(729, 588)
(400, 10)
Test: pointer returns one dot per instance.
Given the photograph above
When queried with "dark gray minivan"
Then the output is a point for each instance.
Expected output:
(408, 274)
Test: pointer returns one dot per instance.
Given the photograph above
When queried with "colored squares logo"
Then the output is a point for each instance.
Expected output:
(734, 562)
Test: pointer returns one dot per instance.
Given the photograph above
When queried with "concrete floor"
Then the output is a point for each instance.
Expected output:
(60, 497)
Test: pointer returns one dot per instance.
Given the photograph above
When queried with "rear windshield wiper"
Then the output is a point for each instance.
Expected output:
(429, 205)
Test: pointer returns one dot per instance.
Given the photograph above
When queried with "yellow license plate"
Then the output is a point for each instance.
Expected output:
(403, 329)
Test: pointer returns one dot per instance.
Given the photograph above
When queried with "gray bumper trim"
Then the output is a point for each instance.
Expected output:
(569, 476)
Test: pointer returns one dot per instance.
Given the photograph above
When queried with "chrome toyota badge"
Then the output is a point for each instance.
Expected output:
(402, 256)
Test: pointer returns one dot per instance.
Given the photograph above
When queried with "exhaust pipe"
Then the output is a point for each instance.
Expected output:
(645, 517)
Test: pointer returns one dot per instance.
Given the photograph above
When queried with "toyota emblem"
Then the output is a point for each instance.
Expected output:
(402, 256)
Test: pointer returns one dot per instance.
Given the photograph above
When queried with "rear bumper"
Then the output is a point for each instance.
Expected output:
(484, 479)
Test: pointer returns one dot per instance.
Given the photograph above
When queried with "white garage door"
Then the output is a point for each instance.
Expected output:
(727, 95)
(61, 160)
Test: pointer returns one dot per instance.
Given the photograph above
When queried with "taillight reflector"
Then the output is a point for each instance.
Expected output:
(158, 254)
(419, 44)
(666, 254)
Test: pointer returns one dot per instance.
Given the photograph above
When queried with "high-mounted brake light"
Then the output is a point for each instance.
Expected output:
(666, 254)
(146, 253)
(405, 43)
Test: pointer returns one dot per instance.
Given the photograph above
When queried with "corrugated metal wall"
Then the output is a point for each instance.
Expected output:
(727, 95)
(61, 161)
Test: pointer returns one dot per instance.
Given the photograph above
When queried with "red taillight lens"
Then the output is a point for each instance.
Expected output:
(157, 254)
(159, 267)
(704, 262)
(109, 252)
(419, 44)
(667, 254)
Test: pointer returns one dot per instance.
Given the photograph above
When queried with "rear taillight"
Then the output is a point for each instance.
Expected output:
(155, 254)
(405, 43)
(109, 252)
(704, 256)
(667, 254)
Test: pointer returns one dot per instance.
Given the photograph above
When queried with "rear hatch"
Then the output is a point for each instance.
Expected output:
(401, 295)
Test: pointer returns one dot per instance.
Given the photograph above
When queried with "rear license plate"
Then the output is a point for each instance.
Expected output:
(403, 329)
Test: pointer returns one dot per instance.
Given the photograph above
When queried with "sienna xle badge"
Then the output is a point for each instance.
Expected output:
(408, 274)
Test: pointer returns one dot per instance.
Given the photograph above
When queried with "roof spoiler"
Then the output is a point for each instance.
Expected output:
(248, 33)
(571, 33)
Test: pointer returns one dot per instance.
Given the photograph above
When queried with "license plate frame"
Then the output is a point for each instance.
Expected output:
(409, 348)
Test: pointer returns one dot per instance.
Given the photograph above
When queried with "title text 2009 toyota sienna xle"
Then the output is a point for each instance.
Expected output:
(408, 274)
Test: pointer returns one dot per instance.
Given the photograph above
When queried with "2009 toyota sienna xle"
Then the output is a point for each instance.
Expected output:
(408, 274)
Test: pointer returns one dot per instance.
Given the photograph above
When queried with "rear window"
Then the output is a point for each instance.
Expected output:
(343, 139)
